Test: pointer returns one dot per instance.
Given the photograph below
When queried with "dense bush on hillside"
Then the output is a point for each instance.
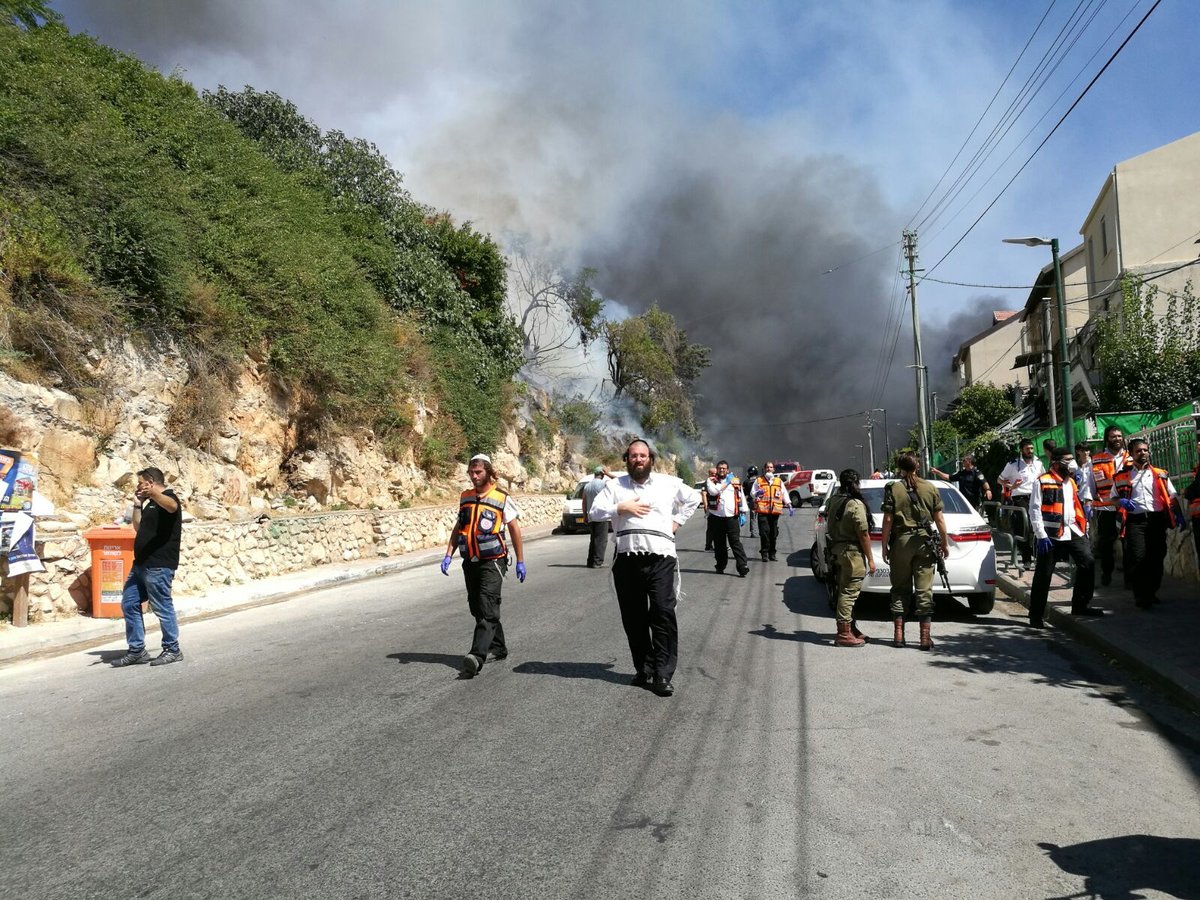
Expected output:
(127, 203)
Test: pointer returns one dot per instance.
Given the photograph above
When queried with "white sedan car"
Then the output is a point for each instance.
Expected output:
(971, 565)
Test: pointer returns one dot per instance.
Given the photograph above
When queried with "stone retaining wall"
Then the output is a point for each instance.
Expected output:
(221, 553)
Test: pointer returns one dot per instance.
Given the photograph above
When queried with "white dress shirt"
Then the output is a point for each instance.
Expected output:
(732, 503)
(1068, 504)
(1087, 483)
(1027, 472)
(671, 503)
(1141, 481)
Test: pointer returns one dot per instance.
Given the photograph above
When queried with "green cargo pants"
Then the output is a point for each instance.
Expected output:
(851, 569)
(912, 568)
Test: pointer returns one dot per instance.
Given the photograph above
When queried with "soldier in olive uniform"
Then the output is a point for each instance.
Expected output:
(904, 547)
(849, 538)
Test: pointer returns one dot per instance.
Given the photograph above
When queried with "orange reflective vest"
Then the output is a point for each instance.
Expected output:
(768, 496)
(1105, 467)
(1052, 506)
(1123, 488)
(481, 524)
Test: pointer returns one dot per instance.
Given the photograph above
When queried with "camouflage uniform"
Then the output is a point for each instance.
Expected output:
(847, 520)
(912, 564)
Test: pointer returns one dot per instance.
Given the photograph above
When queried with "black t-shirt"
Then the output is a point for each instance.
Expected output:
(159, 534)
(970, 483)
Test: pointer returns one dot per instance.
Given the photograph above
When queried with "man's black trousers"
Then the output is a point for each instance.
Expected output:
(646, 593)
(1145, 550)
(1023, 534)
(484, 581)
(768, 534)
(598, 544)
(1079, 551)
(1108, 528)
(727, 534)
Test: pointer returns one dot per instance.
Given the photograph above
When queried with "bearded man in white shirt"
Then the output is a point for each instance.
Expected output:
(646, 509)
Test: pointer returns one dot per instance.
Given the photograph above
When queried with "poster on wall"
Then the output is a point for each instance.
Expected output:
(9, 460)
(22, 552)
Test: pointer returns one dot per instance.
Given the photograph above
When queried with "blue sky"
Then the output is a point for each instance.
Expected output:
(717, 157)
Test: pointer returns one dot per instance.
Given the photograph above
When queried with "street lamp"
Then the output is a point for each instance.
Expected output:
(1065, 362)
(859, 448)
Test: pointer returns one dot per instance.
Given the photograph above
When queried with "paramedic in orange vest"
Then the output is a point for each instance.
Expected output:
(769, 499)
(1059, 526)
(484, 512)
(1146, 499)
(727, 508)
(1106, 520)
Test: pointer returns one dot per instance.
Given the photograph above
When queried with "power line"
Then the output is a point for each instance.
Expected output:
(1046, 139)
(983, 114)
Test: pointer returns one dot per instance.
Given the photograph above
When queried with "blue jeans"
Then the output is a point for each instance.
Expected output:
(154, 585)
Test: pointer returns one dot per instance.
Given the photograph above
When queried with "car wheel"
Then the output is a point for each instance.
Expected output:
(794, 497)
(812, 562)
(981, 604)
(831, 588)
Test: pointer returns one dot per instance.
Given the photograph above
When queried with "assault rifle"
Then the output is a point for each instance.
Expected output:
(929, 534)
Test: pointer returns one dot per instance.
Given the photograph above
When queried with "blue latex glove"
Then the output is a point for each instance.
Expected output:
(1044, 546)
(1087, 511)
(446, 564)
(1126, 505)
(791, 511)
(521, 572)
(1181, 523)
(742, 520)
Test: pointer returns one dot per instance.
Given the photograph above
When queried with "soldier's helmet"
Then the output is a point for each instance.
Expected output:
(752, 471)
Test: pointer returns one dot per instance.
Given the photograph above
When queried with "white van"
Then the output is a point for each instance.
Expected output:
(810, 486)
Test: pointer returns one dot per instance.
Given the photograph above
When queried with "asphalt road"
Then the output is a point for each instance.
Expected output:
(327, 747)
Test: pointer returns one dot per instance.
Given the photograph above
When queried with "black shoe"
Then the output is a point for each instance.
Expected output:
(1036, 623)
(1105, 579)
(742, 573)
(639, 680)
(167, 657)
(662, 687)
(720, 570)
(774, 558)
(498, 656)
(1088, 611)
(708, 548)
(471, 665)
(131, 659)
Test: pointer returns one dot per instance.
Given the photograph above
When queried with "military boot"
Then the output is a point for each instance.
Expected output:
(898, 632)
(846, 638)
(858, 634)
(926, 640)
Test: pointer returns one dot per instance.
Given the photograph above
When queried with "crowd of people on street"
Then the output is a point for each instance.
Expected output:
(1082, 501)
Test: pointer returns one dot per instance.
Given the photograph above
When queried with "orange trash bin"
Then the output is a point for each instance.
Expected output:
(112, 560)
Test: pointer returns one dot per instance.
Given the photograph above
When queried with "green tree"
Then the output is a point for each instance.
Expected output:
(651, 360)
(980, 408)
(1146, 360)
(28, 13)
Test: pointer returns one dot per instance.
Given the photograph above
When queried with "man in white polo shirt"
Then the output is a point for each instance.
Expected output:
(646, 509)
(1017, 479)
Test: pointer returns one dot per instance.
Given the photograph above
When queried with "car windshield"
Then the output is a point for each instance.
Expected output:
(780, 468)
(952, 501)
(578, 495)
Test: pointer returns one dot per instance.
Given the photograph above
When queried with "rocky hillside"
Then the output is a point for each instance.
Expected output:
(88, 449)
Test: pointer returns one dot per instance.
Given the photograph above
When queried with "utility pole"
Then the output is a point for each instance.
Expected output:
(870, 426)
(910, 251)
(1048, 360)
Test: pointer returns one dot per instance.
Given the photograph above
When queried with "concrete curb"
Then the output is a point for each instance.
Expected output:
(56, 638)
(1162, 676)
